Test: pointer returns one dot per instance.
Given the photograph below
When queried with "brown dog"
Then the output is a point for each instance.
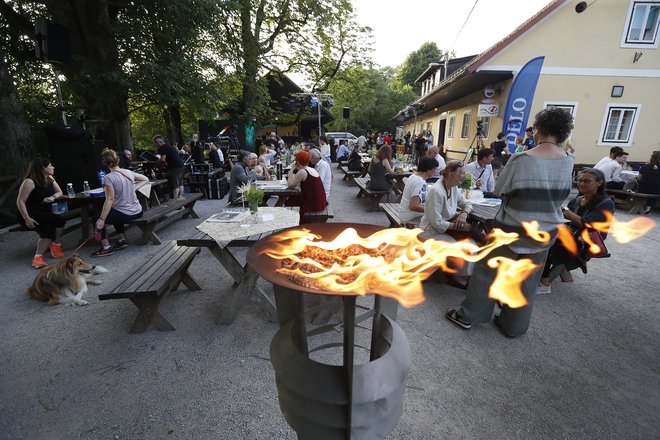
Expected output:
(64, 283)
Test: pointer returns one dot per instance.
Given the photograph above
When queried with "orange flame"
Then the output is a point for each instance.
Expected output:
(532, 229)
(623, 232)
(397, 268)
(566, 239)
(510, 275)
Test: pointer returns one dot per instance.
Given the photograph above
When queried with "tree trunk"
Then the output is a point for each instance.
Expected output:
(168, 126)
(15, 143)
(174, 112)
(94, 72)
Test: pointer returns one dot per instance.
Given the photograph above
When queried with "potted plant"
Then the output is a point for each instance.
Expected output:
(253, 195)
(466, 184)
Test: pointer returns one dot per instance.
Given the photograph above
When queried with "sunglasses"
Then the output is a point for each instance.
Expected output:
(454, 165)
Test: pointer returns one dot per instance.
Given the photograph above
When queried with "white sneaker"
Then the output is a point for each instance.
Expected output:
(543, 289)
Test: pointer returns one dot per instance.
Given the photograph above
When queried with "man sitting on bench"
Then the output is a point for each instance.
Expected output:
(612, 170)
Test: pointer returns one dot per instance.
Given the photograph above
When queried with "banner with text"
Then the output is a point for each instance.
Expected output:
(519, 103)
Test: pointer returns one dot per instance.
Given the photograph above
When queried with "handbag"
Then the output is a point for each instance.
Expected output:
(584, 249)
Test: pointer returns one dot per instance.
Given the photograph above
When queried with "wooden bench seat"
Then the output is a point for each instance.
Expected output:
(372, 195)
(637, 200)
(391, 210)
(160, 216)
(319, 216)
(350, 175)
(72, 224)
(149, 281)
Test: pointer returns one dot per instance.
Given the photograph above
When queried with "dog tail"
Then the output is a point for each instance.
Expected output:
(99, 269)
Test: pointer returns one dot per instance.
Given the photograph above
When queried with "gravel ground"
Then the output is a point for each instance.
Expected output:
(587, 368)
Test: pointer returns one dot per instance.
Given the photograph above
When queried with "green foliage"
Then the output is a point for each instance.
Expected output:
(417, 62)
(373, 95)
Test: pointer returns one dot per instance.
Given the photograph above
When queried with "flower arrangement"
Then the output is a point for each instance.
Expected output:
(253, 195)
(372, 152)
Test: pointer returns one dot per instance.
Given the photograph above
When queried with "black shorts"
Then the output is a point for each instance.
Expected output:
(175, 177)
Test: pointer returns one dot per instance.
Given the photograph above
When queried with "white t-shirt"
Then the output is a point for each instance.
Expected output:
(415, 186)
(612, 171)
(603, 161)
(121, 182)
(325, 150)
(362, 141)
(323, 168)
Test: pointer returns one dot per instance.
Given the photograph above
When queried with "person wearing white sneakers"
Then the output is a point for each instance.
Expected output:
(35, 197)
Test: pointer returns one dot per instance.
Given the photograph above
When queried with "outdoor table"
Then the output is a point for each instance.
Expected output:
(220, 237)
(88, 202)
(277, 188)
(484, 211)
(397, 178)
(629, 176)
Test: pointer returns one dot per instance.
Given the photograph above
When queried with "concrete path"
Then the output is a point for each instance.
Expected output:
(587, 369)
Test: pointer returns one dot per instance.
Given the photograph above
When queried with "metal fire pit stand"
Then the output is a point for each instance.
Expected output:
(321, 401)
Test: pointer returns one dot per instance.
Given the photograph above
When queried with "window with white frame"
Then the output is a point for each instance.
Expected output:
(485, 125)
(465, 128)
(450, 126)
(619, 124)
(642, 23)
(570, 106)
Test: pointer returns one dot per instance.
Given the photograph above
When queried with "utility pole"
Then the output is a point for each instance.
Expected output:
(318, 97)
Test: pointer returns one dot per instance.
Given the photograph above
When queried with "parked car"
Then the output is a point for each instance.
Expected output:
(342, 136)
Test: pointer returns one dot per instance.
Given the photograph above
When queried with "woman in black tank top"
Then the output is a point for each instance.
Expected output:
(35, 197)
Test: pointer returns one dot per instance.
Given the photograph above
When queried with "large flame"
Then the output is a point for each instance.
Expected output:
(622, 232)
(401, 263)
(509, 278)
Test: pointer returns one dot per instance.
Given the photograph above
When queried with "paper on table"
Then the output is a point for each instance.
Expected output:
(267, 217)
(229, 216)
(145, 189)
(487, 202)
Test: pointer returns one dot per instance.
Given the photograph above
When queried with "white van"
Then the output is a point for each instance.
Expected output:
(342, 136)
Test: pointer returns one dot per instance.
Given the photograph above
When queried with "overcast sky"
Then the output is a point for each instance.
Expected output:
(401, 26)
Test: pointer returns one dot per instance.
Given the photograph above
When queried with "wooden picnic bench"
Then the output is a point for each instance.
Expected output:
(350, 175)
(391, 210)
(148, 283)
(160, 216)
(319, 216)
(374, 196)
(245, 278)
(637, 200)
(72, 217)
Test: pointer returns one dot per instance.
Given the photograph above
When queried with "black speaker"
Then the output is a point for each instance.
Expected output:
(53, 41)
(76, 161)
(347, 113)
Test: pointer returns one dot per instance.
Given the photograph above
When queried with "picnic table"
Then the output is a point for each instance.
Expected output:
(398, 180)
(220, 238)
(276, 188)
(484, 211)
(88, 202)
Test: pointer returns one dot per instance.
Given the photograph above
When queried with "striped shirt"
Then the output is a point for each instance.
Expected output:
(533, 188)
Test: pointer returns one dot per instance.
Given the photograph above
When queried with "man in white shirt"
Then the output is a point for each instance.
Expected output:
(609, 158)
(362, 142)
(612, 170)
(434, 152)
(482, 171)
(324, 147)
(322, 167)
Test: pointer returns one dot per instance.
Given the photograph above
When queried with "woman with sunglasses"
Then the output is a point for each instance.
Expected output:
(591, 206)
(532, 187)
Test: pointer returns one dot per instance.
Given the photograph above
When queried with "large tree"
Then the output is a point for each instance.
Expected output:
(260, 35)
(417, 62)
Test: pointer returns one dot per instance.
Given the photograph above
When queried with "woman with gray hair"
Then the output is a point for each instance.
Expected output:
(533, 186)
(590, 206)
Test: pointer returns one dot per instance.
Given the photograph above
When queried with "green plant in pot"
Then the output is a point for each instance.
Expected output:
(466, 184)
(252, 195)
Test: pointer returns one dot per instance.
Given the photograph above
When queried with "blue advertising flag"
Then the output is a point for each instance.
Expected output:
(520, 101)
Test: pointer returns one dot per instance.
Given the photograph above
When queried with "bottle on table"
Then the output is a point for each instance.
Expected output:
(86, 187)
(69, 191)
